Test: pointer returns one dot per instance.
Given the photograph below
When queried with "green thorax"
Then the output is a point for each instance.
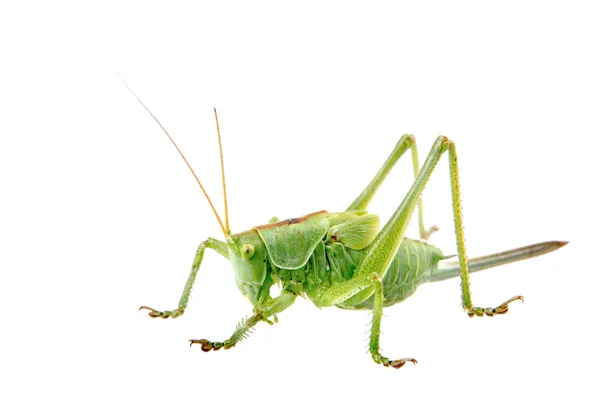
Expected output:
(312, 253)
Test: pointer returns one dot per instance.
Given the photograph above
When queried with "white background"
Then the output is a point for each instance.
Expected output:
(98, 215)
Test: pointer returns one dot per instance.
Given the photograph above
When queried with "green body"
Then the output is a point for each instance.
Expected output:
(345, 259)
(333, 262)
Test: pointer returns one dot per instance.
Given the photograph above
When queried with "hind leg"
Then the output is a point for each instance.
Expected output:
(365, 197)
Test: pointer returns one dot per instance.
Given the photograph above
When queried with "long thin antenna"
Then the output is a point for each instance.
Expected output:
(225, 232)
(222, 173)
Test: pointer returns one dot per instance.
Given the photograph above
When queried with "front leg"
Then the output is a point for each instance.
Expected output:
(211, 243)
(262, 312)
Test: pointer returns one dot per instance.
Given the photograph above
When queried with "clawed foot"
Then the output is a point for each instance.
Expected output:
(207, 345)
(163, 314)
(400, 363)
(397, 364)
(489, 311)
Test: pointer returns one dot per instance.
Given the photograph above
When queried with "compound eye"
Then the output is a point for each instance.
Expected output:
(247, 251)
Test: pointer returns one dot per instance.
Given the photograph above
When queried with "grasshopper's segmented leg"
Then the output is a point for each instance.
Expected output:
(262, 312)
(242, 331)
(460, 244)
(376, 329)
(365, 197)
(373, 282)
(211, 243)
(380, 253)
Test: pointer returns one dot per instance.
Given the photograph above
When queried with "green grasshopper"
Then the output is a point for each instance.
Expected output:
(343, 259)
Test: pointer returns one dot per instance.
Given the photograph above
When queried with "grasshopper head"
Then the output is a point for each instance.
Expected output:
(248, 257)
